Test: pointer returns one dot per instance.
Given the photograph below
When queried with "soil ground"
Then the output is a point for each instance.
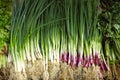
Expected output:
(57, 71)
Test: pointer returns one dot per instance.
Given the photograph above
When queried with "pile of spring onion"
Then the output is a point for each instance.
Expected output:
(56, 31)
(84, 41)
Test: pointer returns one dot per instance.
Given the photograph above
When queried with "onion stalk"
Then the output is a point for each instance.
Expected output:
(24, 44)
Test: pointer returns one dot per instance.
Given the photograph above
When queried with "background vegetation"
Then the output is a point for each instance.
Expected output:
(5, 20)
(109, 25)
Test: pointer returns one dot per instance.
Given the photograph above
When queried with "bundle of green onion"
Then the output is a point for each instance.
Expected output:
(84, 41)
(24, 43)
(51, 30)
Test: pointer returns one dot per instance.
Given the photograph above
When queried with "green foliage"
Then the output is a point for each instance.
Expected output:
(5, 20)
(109, 25)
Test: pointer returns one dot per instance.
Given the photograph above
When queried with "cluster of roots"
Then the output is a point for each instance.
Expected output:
(61, 71)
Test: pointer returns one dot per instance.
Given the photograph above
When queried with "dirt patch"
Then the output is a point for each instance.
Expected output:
(4, 73)
(58, 71)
